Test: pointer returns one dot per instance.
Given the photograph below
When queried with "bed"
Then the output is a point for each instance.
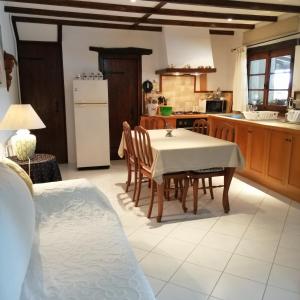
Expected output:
(79, 250)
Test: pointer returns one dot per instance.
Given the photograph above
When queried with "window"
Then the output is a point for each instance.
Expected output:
(270, 77)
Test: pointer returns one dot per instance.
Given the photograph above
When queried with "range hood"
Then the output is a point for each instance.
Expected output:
(188, 51)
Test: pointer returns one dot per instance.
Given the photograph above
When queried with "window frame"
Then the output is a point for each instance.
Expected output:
(268, 52)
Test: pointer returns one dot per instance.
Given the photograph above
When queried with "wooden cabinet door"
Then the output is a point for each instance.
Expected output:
(294, 168)
(279, 150)
(241, 138)
(256, 156)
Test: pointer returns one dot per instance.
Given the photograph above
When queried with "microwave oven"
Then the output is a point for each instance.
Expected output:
(212, 106)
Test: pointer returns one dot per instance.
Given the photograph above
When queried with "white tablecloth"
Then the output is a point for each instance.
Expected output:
(187, 151)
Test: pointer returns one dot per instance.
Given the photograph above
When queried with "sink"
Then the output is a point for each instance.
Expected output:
(260, 115)
(237, 116)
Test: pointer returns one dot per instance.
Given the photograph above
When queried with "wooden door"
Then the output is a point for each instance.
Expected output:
(294, 170)
(124, 92)
(257, 150)
(42, 86)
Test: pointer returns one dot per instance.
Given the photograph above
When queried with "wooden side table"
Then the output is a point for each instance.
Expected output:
(41, 168)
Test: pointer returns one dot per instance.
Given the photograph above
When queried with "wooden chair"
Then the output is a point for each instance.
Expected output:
(131, 158)
(201, 126)
(145, 161)
(155, 123)
(225, 132)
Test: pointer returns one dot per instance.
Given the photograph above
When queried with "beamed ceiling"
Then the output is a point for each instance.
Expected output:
(225, 15)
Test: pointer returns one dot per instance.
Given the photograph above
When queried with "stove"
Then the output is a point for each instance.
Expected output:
(186, 113)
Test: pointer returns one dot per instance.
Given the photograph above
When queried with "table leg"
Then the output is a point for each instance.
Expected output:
(160, 201)
(227, 181)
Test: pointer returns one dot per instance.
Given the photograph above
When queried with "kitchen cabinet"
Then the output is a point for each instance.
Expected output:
(256, 146)
(174, 120)
(241, 138)
(272, 154)
(279, 152)
(294, 163)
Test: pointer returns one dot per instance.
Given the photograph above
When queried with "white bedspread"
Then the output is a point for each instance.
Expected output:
(80, 250)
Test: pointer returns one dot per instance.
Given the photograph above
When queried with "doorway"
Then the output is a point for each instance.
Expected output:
(122, 67)
(42, 86)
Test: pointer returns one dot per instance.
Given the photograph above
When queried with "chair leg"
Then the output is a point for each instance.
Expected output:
(184, 193)
(153, 188)
(211, 190)
(149, 183)
(204, 185)
(135, 183)
(128, 182)
(139, 189)
(181, 188)
(195, 194)
(167, 186)
(176, 188)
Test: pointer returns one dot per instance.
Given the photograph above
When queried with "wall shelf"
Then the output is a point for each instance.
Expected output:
(187, 71)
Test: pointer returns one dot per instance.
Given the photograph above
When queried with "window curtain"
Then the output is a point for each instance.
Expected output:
(240, 80)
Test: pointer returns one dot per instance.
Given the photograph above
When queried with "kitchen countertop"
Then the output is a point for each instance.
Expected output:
(181, 116)
(269, 123)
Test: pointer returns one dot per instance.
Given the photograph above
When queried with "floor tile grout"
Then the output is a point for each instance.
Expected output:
(260, 207)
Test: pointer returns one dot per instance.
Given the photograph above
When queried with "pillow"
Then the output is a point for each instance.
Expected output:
(17, 224)
(21, 172)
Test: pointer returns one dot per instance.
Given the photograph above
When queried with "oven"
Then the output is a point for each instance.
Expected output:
(186, 123)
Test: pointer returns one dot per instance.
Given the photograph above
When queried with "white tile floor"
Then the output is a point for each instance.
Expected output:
(250, 254)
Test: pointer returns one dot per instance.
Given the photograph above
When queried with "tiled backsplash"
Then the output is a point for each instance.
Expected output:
(180, 92)
(184, 93)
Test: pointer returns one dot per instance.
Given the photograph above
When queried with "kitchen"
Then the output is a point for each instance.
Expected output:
(88, 66)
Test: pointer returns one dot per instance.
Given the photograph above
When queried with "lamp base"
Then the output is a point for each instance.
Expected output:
(23, 144)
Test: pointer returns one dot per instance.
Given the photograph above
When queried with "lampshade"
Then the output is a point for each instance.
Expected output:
(21, 116)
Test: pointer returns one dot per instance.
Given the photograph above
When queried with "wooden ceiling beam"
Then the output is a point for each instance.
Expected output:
(148, 10)
(153, 21)
(64, 22)
(154, 10)
(67, 14)
(241, 5)
(221, 32)
(200, 24)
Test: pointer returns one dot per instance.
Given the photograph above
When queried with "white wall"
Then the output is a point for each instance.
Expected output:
(7, 98)
(224, 61)
(77, 59)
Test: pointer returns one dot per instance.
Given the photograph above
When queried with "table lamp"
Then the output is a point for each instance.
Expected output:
(22, 117)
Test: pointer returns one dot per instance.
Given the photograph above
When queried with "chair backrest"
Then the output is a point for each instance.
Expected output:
(224, 132)
(143, 147)
(155, 123)
(129, 142)
(201, 126)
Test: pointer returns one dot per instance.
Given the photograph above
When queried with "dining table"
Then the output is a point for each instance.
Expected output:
(185, 150)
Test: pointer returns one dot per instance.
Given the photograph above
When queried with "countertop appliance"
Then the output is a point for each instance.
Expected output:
(212, 106)
(91, 123)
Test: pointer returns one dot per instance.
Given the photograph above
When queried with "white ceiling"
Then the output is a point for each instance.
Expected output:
(169, 6)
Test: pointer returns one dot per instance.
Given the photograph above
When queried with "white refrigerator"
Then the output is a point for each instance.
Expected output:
(91, 123)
